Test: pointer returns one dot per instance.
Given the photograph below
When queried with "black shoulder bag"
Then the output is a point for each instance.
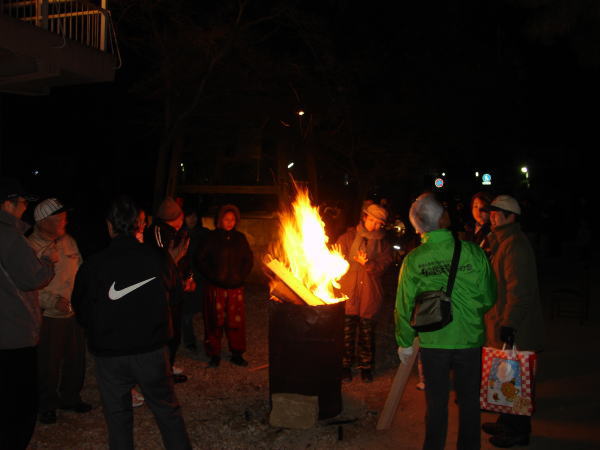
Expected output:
(433, 309)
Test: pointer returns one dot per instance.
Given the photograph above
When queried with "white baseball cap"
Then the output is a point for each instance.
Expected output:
(47, 208)
(504, 203)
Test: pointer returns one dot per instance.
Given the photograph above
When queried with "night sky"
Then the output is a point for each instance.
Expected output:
(393, 97)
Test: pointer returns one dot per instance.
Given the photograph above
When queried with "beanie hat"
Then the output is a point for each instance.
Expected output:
(425, 213)
(47, 208)
(376, 212)
(169, 210)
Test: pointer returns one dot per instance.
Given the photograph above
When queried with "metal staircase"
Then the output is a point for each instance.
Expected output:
(47, 43)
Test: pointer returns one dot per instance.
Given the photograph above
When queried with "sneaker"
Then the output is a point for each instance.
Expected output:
(346, 375)
(177, 370)
(137, 399)
(80, 408)
(214, 361)
(420, 386)
(48, 417)
(179, 378)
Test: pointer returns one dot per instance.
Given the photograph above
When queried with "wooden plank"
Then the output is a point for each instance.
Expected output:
(393, 399)
(226, 189)
(293, 283)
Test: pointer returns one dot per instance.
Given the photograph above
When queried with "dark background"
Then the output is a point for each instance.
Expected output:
(394, 94)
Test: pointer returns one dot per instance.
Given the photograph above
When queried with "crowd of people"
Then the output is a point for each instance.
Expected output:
(135, 301)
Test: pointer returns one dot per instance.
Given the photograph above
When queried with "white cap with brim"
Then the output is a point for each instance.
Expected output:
(504, 203)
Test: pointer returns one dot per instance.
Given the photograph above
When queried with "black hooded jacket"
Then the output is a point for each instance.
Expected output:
(121, 298)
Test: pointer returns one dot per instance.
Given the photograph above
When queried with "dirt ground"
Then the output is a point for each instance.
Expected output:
(228, 407)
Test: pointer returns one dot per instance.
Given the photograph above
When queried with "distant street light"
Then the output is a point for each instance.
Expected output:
(524, 169)
(300, 113)
(290, 165)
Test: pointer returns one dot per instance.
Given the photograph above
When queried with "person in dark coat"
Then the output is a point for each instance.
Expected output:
(517, 317)
(166, 233)
(369, 255)
(225, 261)
(192, 300)
(121, 299)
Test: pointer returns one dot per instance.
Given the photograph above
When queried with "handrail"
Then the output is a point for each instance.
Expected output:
(79, 20)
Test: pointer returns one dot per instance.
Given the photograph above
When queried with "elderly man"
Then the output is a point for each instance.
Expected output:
(517, 316)
(61, 353)
(21, 274)
(457, 346)
(121, 297)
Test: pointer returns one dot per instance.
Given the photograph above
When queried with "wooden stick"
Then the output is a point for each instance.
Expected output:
(293, 283)
(393, 399)
(254, 369)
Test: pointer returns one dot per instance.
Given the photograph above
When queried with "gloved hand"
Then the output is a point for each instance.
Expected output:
(507, 335)
(404, 353)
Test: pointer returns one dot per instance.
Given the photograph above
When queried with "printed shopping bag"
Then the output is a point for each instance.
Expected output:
(507, 381)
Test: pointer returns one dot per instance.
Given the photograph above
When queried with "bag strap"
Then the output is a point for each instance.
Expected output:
(453, 266)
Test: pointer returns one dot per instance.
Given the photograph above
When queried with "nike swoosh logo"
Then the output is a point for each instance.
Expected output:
(113, 294)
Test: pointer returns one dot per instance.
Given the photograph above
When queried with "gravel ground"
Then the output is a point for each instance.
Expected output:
(228, 407)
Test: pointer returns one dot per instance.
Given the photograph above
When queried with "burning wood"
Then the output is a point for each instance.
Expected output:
(293, 283)
(303, 261)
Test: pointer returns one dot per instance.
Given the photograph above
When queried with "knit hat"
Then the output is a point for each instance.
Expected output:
(376, 212)
(504, 203)
(169, 210)
(425, 213)
(47, 208)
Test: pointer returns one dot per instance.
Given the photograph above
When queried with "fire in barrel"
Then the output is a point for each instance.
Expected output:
(306, 316)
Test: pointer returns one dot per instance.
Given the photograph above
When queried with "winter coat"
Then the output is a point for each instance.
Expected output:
(121, 298)
(225, 259)
(69, 260)
(21, 273)
(362, 284)
(518, 305)
(426, 268)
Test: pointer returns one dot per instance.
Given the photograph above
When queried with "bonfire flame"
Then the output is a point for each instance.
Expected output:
(305, 253)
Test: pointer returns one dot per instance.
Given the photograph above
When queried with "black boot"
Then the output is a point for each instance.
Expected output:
(236, 358)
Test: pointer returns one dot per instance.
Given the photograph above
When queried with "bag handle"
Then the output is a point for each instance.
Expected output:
(453, 266)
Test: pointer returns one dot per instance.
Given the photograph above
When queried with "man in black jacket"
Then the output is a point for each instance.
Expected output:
(121, 298)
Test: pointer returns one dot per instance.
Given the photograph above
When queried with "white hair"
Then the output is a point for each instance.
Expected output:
(425, 213)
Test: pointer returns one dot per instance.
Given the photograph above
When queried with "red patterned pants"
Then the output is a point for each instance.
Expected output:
(224, 310)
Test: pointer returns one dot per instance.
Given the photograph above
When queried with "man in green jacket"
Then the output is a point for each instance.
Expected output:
(458, 344)
(517, 316)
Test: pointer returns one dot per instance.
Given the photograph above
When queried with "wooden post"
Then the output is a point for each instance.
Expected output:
(397, 389)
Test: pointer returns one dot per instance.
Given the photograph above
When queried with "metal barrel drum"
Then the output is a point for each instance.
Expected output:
(305, 352)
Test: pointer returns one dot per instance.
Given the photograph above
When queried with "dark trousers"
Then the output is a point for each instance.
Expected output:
(61, 363)
(175, 341)
(359, 340)
(466, 365)
(18, 397)
(192, 304)
(116, 377)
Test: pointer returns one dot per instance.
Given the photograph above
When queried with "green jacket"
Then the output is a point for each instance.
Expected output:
(426, 268)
